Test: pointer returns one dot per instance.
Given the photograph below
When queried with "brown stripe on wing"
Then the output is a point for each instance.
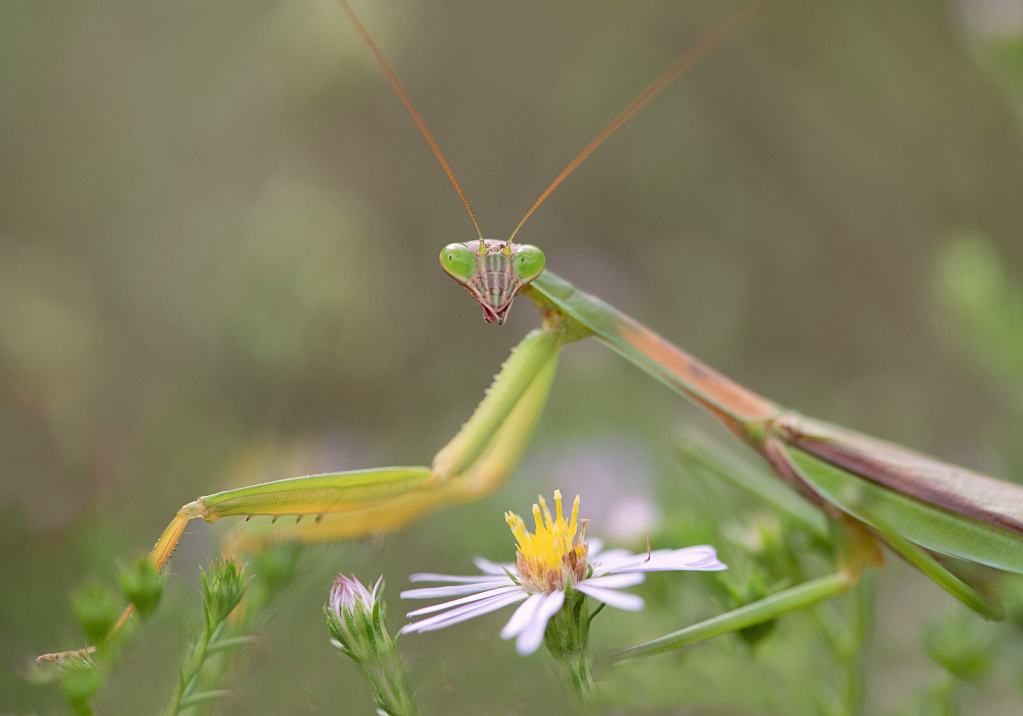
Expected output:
(738, 407)
(938, 483)
(725, 394)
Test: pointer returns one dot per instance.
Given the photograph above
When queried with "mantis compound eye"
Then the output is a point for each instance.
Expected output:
(458, 262)
(529, 263)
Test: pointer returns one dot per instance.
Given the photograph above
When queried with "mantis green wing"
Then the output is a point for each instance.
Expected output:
(933, 481)
(944, 507)
(912, 502)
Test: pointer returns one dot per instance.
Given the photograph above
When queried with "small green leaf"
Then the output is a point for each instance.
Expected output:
(142, 586)
(96, 609)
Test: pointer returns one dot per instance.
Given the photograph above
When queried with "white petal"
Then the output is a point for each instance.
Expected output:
(454, 591)
(593, 546)
(488, 567)
(460, 614)
(621, 556)
(616, 581)
(701, 558)
(620, 600)
(521, 617)
(468, 611)
(428, 577)
(532, 636)
(464, 600)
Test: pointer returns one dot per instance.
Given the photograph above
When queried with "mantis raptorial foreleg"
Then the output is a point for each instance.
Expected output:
(485, 473)
(366, 501)
(361, 502)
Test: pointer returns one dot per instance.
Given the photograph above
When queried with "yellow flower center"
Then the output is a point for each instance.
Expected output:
(551, 558)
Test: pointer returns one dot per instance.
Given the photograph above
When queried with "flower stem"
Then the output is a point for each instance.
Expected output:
(356, 621)
(567, 639)
(390, 687)
(222, 591)
(579, 674)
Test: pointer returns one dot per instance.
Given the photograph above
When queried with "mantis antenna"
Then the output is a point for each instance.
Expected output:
(393, 79)
(711, 40)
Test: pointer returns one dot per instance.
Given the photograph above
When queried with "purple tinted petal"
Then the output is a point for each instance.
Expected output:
(620, 600)
(362, 593)
(521, 617)
(455, 591)
(593, 546)
(464, 600)
(531, 636)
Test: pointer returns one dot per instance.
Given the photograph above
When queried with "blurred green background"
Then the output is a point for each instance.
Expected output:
(218, 265)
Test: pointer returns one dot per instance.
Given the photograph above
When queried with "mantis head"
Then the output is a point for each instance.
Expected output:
(492, 272)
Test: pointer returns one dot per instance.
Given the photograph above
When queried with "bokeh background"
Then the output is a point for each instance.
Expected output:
(218, 265)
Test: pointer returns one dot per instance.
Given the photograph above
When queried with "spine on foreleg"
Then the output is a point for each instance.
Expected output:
(504, 393)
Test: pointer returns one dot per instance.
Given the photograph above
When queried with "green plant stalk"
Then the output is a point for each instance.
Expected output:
(359, 631)
(189, 675)
(567, 639)
(272, 570)
(386, 676)
(792, 599)
(222, 591)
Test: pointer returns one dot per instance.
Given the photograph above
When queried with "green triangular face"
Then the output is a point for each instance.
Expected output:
(497, 272)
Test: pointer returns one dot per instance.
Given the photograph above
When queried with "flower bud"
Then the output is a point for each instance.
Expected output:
(355, 618)
(222, 590)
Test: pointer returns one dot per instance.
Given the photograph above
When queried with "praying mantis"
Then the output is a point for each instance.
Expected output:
(871, 492)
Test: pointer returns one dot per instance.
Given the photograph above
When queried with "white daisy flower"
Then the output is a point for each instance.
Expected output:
(549, 563)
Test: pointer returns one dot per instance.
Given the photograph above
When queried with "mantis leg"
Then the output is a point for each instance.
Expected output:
(856, 549)
(923, 561)
(351, 504)
(483, 475)
(366, 501)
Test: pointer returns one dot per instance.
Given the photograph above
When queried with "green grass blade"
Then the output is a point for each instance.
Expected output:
(202, 698)
(792, 599)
